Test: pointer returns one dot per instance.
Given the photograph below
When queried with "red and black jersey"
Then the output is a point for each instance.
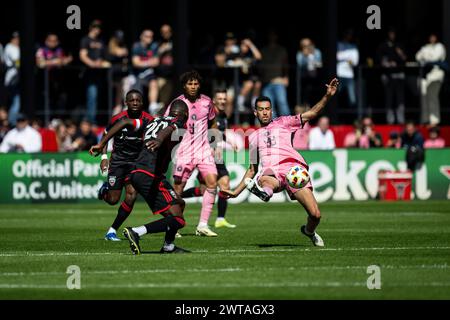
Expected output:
(128, 142)
(157, 161)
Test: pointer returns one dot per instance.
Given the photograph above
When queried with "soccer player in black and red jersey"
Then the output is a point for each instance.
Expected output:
(127, 145)
(148, 175)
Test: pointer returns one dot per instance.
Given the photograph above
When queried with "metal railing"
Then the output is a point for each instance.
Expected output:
(365, 77)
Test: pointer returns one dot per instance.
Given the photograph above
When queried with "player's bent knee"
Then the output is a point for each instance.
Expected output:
(315, 214)
(131, 197)
(111, 200)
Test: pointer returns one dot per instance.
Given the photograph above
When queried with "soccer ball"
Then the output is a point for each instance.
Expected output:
(297, 177)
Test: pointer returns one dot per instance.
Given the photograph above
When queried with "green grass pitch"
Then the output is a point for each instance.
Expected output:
(265, 257)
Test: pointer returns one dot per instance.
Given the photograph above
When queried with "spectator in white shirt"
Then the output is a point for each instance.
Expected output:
(347, 59)
(432, 57)
(23, 138)
(321, 137)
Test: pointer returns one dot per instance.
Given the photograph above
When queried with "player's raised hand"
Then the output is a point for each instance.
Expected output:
(95, 150)
(332, 87)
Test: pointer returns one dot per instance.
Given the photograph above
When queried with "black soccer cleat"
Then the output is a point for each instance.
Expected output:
(133, 238)
(175, 250)
(103, 189)
(252, 186)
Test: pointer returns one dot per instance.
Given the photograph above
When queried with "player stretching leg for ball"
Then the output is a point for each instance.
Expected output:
(127, 146)
(220, 101)
(148, 176)
(271, 146)
(194, 150)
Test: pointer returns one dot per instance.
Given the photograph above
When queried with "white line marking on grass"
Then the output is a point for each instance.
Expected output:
(329, 249)
(44, 254)
(49, 254)
(200, 270)
(225, 285)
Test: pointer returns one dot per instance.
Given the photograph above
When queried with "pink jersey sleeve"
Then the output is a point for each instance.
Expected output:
(292, 123)
(253, 148)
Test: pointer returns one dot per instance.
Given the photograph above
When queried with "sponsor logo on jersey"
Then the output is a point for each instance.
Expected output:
(112, 180)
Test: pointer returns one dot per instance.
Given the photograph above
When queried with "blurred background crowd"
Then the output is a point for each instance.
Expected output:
(81, 77)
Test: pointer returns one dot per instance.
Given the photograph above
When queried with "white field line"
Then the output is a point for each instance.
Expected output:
(45, 254)
(221, 270)
(225, 285)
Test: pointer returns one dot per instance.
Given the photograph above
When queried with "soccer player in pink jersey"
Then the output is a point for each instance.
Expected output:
(271, 147)
(194, 150)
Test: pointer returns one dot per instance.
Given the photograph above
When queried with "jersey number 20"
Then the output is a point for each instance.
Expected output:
(153, 129)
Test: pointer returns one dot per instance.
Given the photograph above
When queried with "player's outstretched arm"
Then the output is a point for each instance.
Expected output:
(314, 112)
(250, 173)
(98, 148)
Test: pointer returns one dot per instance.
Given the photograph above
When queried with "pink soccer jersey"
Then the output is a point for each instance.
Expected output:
(274, 142)
(195, 144)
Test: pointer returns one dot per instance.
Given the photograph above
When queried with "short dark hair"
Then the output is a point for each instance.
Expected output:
(179, 105)
(190, 75)
(262, 99)
(135, 91)
(220, 91)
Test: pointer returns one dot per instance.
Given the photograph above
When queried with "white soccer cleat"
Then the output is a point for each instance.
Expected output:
(205, 231)
(178, 235)
(315, 238)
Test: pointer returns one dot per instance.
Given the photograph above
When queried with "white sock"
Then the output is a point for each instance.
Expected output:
(202, 224)
(140, 230)
(168, 246)
(112, 230)
(220, 219)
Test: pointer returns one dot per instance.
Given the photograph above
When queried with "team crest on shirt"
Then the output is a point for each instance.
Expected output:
(180, 168)
(173, 194)
(112, 181)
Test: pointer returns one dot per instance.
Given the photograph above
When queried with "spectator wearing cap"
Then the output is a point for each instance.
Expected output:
(51, 56)
(434, 141)
(225, 57)
(12, 63)
(23, 138)
(93, 56)
(412, 141)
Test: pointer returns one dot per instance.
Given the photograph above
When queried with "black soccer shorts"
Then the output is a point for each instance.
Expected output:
(117, 173)
(157, 191)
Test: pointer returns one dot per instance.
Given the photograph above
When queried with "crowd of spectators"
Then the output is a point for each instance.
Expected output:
(148, 65)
